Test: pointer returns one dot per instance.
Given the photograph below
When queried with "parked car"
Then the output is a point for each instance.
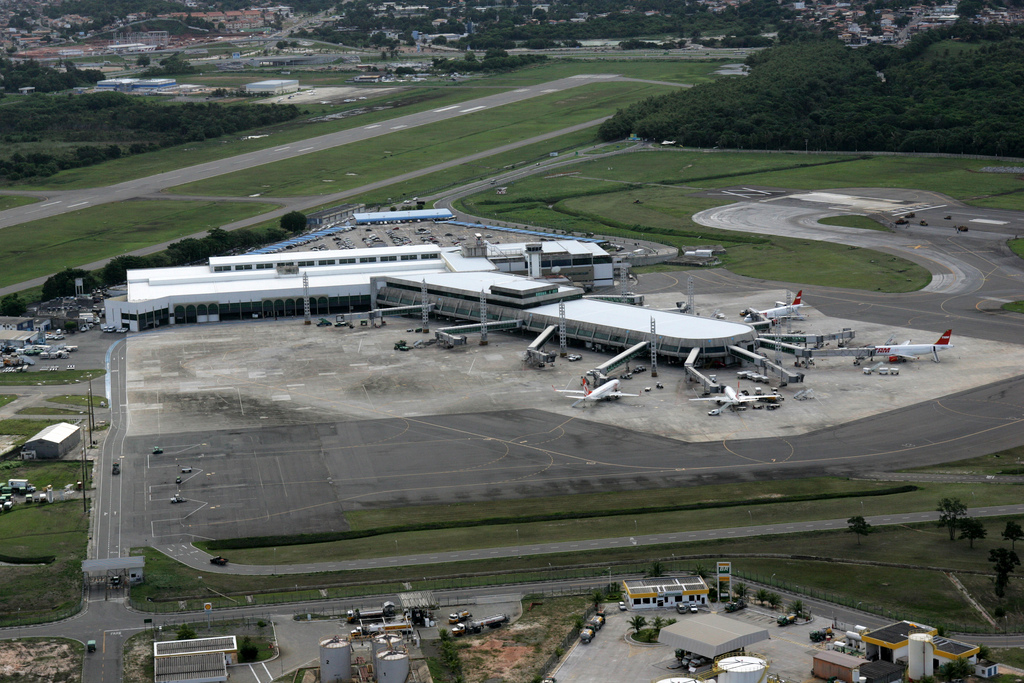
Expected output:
(220, 561)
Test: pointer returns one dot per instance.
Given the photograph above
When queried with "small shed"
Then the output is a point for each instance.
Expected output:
(27, 89)
(53, 442)
(829, 664)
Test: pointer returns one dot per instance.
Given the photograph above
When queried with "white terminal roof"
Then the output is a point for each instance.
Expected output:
(274, 82)
(638, 319)
(56, 433)
(293, 256)
(484, 280)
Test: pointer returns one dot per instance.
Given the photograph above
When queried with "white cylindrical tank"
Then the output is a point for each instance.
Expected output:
(335, 659)
(385, 642)
(742, 669)
(852, 636)
(392, 667)
(919, 656)
(678, 679)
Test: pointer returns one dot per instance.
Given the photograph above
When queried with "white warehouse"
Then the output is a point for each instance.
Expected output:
(272, 87)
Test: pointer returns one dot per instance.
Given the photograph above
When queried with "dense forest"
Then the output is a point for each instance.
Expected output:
(118, 124)
(823, 95)
(14, 75)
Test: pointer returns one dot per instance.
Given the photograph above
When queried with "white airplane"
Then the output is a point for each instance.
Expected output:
(908, 350)
(733, 398)
(607, 391)
(781, 310)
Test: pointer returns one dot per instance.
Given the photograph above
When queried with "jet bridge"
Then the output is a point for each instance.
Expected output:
(814, 340)
(375, 314)
(709, 384)
(534, 352)
(786, 376)
(456, 336)
(599, 375)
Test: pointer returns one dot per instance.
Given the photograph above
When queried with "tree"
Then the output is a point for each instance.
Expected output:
(951, 511)
(972, 529)
(1004, 562)
(797, 607)
(598, 597)
(186, 632)
(740, 590)
(658, 623)
(657, 569)
(700, 570)
(774, 599)
(143, 60)
(761, 595)
(293, 221)
(63, 283)
(248, 651)
(858, 525)
(958, 668)
(12, 305)
(1012, 533)
(637, 623)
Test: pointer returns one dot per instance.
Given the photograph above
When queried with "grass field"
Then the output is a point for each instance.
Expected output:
(378, 159)
(509, 535)
(1008, 462)
(862, 222)
(1017, 246)
(37, 377)
(78, 400)
(48, 410)
(7, 398)
(142, 165)
(9, 201)
(656, 70)
(1014, 306)
(41, 473)
(58, 529)
(667, 213)
(42, 247)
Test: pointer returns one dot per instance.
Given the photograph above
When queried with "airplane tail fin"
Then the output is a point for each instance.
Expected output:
(799, 295)
(944, 339)
(586, 389)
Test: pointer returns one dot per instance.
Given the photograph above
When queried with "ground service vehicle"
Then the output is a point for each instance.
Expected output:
(587, 634)
(786, 619)
(386, 610)
(494, 621)
(456, 617)
(736, 606)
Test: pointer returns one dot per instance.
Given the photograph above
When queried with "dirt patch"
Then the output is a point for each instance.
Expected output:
(515, 654)
(30, 660)
(138, 657)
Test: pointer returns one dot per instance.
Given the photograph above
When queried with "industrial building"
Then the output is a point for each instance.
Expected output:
(197, 660)
(272, 87)
(53, 442)
(665, 592)
(380, 217)
(333, 215)
(712, 635)
(916, 646)
(137, 85)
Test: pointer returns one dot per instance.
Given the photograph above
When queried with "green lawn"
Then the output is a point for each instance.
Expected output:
(681, 71)
(1015, 307)
(47, 410)
(862, 222)
(39, 377)
(142, 165)
(1008, 462)
(41, 473)
(1017, 245)
(359, 163)
(42, 247)
(49, 591)
(78, 400)
(7, 398)
(508, 535)
(9, 201)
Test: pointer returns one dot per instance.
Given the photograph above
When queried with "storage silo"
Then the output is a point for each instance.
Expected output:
(392, 667)
(742, 670)
(919, 656)
(335, 660)
(384, 642)
(678, 679)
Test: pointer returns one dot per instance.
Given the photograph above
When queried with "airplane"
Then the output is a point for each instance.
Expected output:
(781, 310)
(607, 391)
(733, 399)
(908, 350)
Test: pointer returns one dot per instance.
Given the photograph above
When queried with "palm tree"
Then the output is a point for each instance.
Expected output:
(774, 599)
(637, 623)
(598, 597)
(740, 590)
(797, 607)
(700, 570)
(761, 595)
(657, 569)
(658, 624)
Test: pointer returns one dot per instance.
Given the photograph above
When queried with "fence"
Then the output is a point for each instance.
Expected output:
(14, 619)
(548, 666)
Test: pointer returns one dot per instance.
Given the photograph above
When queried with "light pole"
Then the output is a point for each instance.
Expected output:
(518, 553)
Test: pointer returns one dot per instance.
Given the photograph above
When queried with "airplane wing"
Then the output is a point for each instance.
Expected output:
(573, 393)
(896, 351)
(617, 394)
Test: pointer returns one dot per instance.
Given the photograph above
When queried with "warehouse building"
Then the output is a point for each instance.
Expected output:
(333, 215)
(53, 442)
(272, 87)
(197, 660)
(377, 217)
(712, 635)
(665, 592)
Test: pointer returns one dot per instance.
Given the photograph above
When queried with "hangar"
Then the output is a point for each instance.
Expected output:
(53, 442)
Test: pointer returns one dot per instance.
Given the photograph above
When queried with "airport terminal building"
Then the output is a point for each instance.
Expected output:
(274, 286)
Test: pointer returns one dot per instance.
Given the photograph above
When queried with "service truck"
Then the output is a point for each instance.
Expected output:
(386, 610)
(494, 621)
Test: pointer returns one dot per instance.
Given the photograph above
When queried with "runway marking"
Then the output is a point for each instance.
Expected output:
(466, 111)
(306, 149)
(50, 204)
(438, 111)
(399, 127)
(550, 90)
(376, 125)
(282, 149)
(988, 221)
(71, 206)
(522, 90)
